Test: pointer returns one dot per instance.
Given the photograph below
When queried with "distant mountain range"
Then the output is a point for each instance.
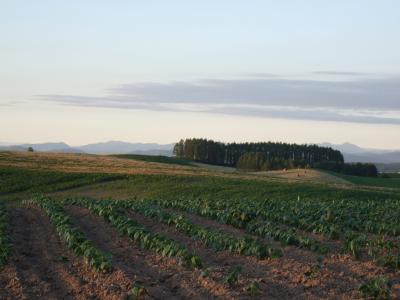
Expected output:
(354, 153)
(351, 152)
(111, 147)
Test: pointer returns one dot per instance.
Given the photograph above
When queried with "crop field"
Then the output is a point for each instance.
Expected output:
(391, 182)
(159, 230)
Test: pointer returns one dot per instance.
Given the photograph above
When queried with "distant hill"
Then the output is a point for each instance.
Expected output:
(390, 168)
(387, 158)
(42, 147)
(344, 148)
(156, 152)
(52, 147)
(112, 147)
(117, 147)
(12, 148)
(354, 153)
(351, 152)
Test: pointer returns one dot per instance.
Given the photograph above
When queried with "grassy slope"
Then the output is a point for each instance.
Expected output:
(370, 181)
(14, 180)
(216, 188)
(155, 158)
(175, 181)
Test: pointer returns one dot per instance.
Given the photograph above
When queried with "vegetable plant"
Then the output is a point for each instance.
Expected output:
(72, 236)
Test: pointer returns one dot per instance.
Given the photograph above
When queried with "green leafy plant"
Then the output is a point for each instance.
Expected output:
(253, 288)
(376, 288)
(217, 239)
(241, 217)
(44, 181)
(205, 273)
(232, 278)
(136, 293)
(72, 236)
(137, 233)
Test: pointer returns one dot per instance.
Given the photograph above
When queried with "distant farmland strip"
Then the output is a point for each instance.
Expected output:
(19, 180)
(157, 159)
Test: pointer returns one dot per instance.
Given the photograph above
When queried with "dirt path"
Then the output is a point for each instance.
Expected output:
(42, 268)
(162, 277)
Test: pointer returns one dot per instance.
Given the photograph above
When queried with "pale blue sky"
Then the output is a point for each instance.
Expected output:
(163, 61)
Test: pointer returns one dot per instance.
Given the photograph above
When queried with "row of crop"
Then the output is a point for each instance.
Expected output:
(72, 236)
(333, 218)
(333, 225)
(385, 252)
(321, 218)
(21, 179)
(213, 238)
(252, 217)
(248, 221)
(5, 243)
(137, 233)
(355, 242)
(326, 216)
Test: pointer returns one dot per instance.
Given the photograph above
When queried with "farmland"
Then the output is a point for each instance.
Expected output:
(101, 227)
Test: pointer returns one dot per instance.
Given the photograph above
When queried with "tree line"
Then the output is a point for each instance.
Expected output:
(355, 169)
(268, 154)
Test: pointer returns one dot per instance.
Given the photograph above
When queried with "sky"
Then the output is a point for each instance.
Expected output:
(156, 71)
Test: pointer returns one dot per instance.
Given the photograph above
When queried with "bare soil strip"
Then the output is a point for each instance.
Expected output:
(162, 277)
(42, 268)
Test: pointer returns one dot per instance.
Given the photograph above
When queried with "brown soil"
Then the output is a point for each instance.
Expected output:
(72, 162)
(304, 175)
(277, 278)
(334, 245)
(298, 270)
(162, 277)
(219, 263)
(42, 268)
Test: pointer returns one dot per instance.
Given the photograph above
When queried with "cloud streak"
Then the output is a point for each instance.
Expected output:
(361, 101)
(340, 73)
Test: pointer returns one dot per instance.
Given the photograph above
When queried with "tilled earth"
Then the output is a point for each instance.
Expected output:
(41, 267)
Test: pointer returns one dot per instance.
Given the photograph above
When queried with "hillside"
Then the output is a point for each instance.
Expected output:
(354, 153)
(223, 234)
(111, 147)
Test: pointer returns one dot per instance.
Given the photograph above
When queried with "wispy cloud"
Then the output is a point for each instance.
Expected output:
(340, 73)
(262, 75)
(364, 100)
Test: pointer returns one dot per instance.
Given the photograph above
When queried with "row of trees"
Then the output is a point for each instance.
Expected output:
(356, 169)
(268, 154)
(257, 161)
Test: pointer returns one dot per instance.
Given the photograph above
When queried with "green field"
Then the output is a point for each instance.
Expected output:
(392, 182)
(156, 159)
(224, 235)
(13, 180)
